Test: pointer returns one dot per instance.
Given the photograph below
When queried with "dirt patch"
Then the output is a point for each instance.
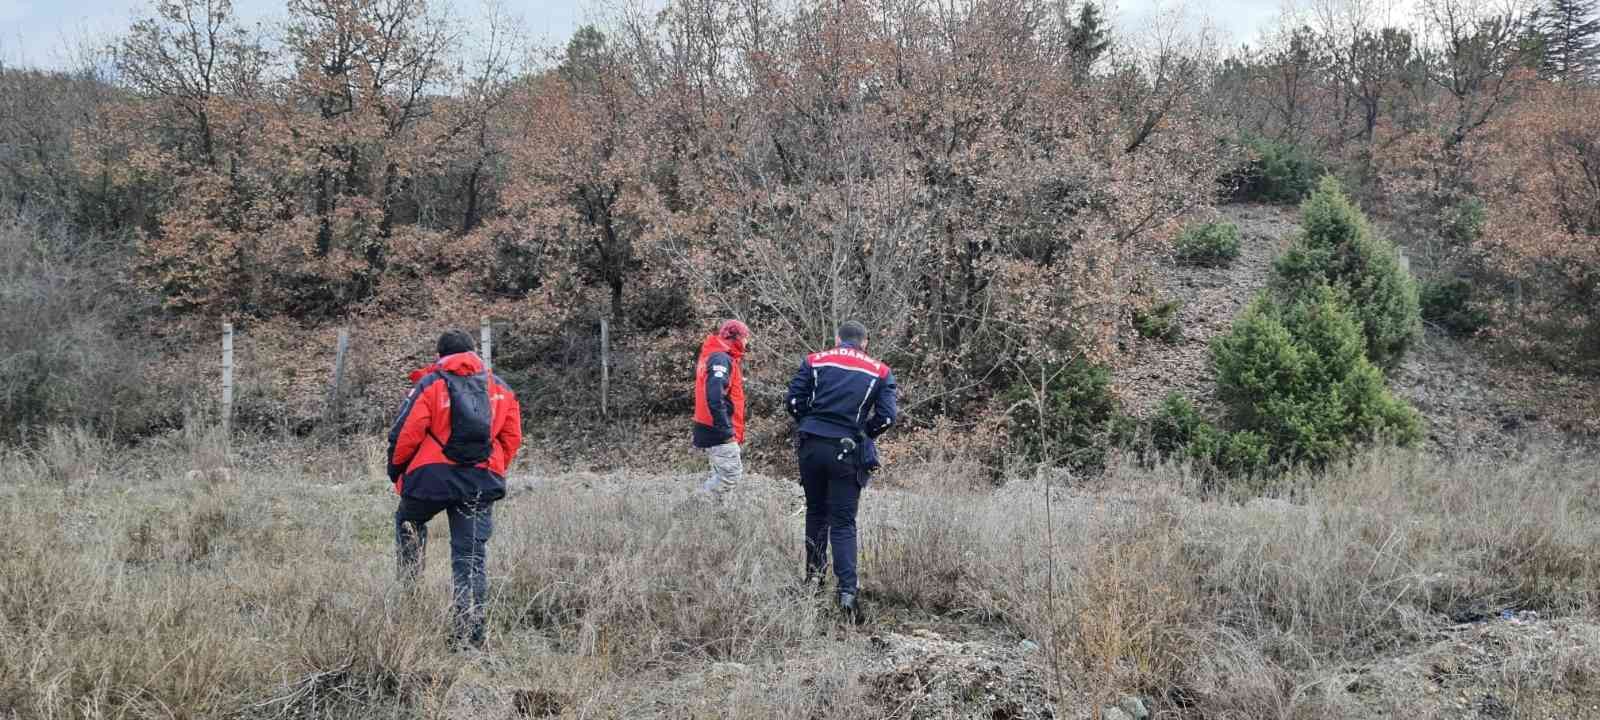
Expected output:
(1512, 667)
(1210, 299)
(924, 676)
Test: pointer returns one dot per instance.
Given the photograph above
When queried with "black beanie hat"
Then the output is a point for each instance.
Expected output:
(454, 342)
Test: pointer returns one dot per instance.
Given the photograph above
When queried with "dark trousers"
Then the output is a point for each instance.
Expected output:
(471, 523)
(833, 493)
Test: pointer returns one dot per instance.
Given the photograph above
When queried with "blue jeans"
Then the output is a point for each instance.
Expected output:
(833, 493)
(471, 523)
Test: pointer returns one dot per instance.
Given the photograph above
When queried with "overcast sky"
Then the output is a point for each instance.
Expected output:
(44, 32)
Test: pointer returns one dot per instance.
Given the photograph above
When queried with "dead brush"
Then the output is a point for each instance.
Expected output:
(207, 528)
(922, 557)
(372, 653)
(70, 458)
(1126, 609)
(1123, 600)
(1242, 609)
(674, 581)
(1509, 534)
(201, 448)
(142, 544)
(78, 648)
(266, 597)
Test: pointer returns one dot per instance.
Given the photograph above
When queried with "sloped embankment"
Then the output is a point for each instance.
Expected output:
(1471, 399)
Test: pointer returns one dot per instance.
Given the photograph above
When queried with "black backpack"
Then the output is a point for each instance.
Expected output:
(471, 418)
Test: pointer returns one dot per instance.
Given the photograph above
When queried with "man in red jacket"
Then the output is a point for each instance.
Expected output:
(449, 449)
(719, 406)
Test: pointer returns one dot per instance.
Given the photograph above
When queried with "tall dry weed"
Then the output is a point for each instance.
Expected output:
(271, 593)
(636, 579)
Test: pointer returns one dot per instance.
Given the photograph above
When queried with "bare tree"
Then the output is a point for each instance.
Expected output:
(1162, 70)
(188, 55)
(1475, 55)
(1295, 70)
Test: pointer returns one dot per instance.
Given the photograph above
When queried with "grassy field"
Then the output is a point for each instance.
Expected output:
(152, 583)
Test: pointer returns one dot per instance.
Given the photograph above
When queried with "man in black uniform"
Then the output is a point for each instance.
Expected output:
(843, 399)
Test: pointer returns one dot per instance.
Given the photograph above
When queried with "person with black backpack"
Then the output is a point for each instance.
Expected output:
(449, 449)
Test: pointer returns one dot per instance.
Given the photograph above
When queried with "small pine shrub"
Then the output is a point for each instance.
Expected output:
(1081, 418)
(1462, 222)
(1338, 249)
(1159, 322)
(1174, 426)
(1276, 172)
(1298, 377)
(1212, 244)
(1449, 304)
(1178, 430)
(1241, 454)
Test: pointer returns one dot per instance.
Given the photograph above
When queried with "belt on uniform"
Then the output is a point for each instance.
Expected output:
(836, 442)
(845, 445)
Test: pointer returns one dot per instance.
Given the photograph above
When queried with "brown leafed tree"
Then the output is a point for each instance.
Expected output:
(368, 68)
(925, 169)
(579, 166)
(1539, 167)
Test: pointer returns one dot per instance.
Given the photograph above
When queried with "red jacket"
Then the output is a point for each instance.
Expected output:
(417, 464)
(719, 393)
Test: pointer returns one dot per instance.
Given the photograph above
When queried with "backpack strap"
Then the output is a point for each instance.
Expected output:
(446, 381)
(489, 389)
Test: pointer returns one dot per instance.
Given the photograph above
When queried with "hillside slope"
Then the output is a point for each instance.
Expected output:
(1470, 393)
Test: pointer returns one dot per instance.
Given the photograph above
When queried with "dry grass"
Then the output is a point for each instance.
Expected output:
(149, 583)
(1246, 609)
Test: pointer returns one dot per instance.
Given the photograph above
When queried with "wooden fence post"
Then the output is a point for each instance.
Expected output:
(605, 367)
(336, 394)
(486, 343)
(227, 385)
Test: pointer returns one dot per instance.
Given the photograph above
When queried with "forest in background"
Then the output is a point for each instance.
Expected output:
(1347, 233)
(982, 183)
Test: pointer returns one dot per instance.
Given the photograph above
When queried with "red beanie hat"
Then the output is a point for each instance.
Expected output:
(733, 330)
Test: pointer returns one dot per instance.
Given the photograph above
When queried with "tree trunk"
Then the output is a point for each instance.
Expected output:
(324, 210)
(391, 175)
(469, 219)
(616, 300)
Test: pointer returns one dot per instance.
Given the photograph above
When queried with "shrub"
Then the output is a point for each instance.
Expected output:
(1298, 376)
(1238, 454)
(663, 305)
(1277, 172)
(1462, 222)
(1178, 430)
(1449, 304)
(1212, 244)
(1338, 249)
(1080, 419)
(62, 357)
(1159, 322)
(1174, 426)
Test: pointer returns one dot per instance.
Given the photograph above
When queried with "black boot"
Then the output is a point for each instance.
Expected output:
(850, 607)
(467, 633)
